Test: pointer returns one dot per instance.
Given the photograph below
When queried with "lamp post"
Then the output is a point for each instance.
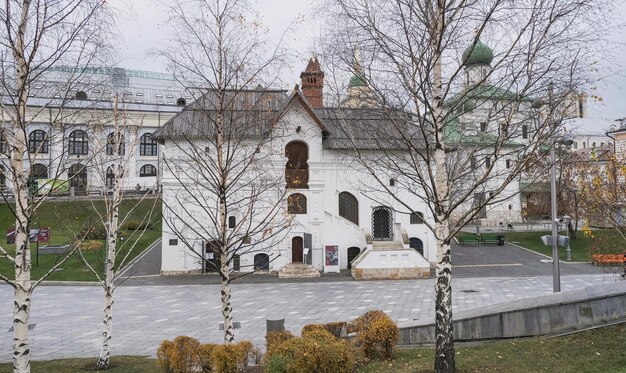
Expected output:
(567, 220)
(556, 274)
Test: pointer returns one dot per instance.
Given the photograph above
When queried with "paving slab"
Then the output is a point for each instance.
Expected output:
(68, 318)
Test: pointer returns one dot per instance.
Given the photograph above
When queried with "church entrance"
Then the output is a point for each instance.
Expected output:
(382, 224)
(353, 252)
(296, 250)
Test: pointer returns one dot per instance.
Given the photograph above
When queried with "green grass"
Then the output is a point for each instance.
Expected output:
(121, 364)
(604, 241)
(599, 350)
(593, 351)
(66, 220)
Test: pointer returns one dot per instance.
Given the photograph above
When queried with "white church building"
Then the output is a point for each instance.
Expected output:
(341, 217)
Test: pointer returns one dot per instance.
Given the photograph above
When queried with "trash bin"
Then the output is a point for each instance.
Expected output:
(274, 325)
(500, 240)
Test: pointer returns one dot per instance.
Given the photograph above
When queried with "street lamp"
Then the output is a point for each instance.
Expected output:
(556, 274)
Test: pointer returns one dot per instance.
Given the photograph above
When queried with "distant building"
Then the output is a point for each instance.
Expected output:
(70, 119)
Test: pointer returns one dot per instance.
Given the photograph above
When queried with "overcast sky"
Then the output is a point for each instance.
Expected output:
(141, 26)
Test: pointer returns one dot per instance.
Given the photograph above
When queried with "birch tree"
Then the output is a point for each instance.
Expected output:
(478, 116)
(223, 189)
(36, 37)
(112, 166)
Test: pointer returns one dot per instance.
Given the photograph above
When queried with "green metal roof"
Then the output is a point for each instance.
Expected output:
(478, 54)
(356, 81)
(485, 92)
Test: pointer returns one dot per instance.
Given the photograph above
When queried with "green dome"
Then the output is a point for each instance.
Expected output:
(355, 81)
(478, 54)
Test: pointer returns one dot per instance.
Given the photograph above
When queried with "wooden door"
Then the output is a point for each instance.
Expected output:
(296, 250)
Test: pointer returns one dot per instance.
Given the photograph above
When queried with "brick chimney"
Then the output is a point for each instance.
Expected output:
(313, 83)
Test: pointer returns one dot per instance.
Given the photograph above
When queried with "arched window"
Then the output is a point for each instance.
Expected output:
(110, 178)
(3, 143)
(349, 207)
(38, 142)
(111, 142)
(147, 170)
(297, 168)
(417, 218)
(77, 174)
(296, 204)
(3, 177)
(147, 146)
(78, 143)
(417, 245)
(38, 171)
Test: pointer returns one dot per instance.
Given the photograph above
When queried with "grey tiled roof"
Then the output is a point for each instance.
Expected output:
(248, 113)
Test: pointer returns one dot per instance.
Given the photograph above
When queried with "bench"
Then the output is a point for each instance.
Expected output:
(608, 259)
(478, 240)
(469, 240)
(489, 240)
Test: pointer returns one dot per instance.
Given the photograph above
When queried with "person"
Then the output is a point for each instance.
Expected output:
(138, 188)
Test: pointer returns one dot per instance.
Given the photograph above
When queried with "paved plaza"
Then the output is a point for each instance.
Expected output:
(68, 318)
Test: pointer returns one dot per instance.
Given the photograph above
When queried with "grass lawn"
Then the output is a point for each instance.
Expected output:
(66, 220)
(604, 241)
(599, 350)
(121, 364)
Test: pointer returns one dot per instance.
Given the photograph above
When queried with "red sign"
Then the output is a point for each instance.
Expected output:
(35, 235)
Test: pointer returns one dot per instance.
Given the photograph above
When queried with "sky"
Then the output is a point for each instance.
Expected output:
(141, 27)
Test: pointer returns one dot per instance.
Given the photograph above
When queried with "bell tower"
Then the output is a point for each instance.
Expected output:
(313, 83)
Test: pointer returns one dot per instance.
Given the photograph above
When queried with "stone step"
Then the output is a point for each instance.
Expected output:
(298, 271)
(387, 245)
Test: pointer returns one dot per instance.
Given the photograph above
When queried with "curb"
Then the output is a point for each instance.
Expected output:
(544, 255)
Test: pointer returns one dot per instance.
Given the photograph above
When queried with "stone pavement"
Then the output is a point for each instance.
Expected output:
(68, 318)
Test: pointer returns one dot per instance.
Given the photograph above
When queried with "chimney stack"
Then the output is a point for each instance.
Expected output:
(313, 83)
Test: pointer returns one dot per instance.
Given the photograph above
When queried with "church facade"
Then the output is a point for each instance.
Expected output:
(341, 214)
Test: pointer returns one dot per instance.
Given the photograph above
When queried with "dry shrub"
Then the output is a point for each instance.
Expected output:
(275, 338)
(163, 355)
(310, 327)
(379, 336)
(338, 329)
(320, 335)
(180, 356)
(90, 245)
(205, 357)
(231, 357)
(310, 355)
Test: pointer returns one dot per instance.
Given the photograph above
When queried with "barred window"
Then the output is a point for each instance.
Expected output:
(147, 146)
(38, 142)
(111, 143)
(297, 169)
(147, 170)
(296, 204)
(3, 143)
(78, 143)
(349, 207)
(38, 171)
(417, 218)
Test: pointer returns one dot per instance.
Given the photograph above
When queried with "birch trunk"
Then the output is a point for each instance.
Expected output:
(227, 310)
(444, 342)
(23, 287)
(109, 265)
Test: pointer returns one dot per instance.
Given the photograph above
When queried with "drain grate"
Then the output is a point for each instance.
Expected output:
(30, 327)
(469, 291)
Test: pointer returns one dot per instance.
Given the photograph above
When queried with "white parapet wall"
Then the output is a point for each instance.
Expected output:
(390, 263)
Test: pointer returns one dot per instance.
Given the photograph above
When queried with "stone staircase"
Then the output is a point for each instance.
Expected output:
(298, 270)
(382, 245)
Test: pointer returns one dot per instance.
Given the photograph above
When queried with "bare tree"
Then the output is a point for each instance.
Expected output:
(111, 164)
(219, 184)
(36, 38)
(475, 120)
